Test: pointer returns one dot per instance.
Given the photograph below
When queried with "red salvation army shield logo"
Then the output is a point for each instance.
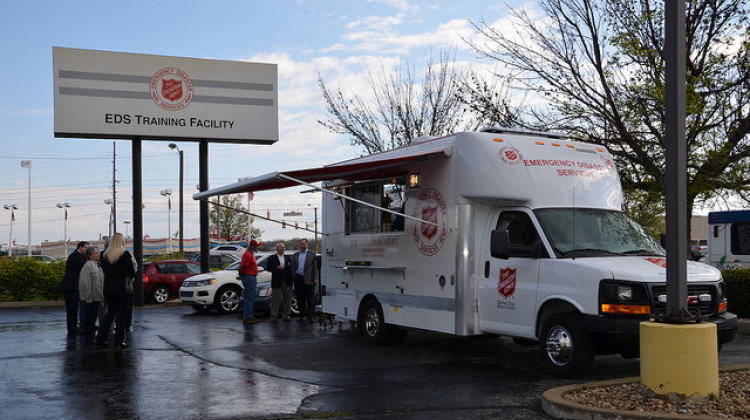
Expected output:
(506, 286)
(429, 235)
(171, 89)
(510, 155)
(429, 214)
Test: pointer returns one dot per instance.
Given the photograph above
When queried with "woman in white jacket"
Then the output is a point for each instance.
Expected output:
(91, 289)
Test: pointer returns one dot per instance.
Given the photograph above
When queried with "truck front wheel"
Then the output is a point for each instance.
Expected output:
(564, 346)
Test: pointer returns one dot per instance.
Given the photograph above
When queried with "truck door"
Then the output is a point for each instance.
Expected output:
(507, 290)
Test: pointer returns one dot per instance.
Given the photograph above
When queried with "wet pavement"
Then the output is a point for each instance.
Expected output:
(187, 365)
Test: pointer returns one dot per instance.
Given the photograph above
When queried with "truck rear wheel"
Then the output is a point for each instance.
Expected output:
(372, 324)
(564, 346)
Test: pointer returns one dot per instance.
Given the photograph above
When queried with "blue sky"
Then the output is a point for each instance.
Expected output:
(339, 39)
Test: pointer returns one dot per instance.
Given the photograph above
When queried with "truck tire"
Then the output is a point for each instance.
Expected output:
(564, 346)
(372, 324)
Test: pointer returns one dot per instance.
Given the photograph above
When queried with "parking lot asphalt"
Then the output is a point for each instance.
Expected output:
(187, 365)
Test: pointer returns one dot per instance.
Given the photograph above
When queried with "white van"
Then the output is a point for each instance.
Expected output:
(496, 232)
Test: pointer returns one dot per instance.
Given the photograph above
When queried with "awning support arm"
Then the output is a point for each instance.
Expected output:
(280, 222)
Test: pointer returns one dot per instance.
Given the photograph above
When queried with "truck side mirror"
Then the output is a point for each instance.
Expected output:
(499, 244)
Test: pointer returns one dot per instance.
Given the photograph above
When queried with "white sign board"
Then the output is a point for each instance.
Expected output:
(102, 94)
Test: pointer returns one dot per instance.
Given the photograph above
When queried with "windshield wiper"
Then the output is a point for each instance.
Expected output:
(644, 252)
(589, 251)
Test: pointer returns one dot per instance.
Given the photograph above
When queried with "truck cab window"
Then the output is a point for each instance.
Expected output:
(388, 194)
(521, 231)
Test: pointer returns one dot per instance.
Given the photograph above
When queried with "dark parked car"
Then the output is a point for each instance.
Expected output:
(162, 279)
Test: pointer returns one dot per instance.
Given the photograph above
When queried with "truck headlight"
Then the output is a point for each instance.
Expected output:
(625, 293)
(624, 298)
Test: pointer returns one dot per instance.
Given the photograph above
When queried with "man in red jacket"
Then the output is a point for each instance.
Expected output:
(248, 271)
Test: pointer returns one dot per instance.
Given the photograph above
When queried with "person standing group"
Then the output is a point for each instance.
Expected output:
(69, 286)
(91, 291)
(305, 279)
(248, 272)
(119, 269)
(282, 283)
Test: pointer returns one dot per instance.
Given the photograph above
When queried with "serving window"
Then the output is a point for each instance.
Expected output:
(389, 194)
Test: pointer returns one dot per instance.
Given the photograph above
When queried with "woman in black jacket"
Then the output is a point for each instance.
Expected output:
(119, 269)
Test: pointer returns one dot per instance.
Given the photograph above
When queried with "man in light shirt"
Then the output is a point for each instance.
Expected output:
(305, 279)
(282, 282)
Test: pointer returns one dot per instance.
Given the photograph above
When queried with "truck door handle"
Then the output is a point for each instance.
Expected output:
(486, 269)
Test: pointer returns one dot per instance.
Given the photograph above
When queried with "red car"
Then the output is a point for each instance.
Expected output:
(162, 279)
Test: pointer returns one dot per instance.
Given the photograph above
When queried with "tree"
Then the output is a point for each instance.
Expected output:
(230, 219)
(400, 108)
(599, 68)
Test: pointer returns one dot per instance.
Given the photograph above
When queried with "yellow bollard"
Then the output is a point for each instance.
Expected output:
(680, 359)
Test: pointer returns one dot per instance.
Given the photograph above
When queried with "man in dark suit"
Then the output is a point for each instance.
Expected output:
(282, 282)
(305, 279)
(69, 285)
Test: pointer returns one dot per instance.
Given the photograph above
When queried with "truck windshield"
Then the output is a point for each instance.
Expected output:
(595, 232)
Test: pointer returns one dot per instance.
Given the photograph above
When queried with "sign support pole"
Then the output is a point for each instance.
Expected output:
(203, 186)
(138, 219)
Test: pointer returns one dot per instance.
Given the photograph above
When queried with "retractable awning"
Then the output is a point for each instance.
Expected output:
(371, 167)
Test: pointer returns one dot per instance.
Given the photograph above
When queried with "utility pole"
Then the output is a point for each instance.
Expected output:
(114, 188)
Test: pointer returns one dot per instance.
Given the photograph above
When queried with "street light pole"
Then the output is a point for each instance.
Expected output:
(182, 166)
(112, 228)
(12, 208)
(27, 164)
(127, 225)
(65, 206)
(167, 193)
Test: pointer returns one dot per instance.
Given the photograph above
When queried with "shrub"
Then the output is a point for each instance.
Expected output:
(20, 278)
(25, 279)
(737, 284)
(52, 274)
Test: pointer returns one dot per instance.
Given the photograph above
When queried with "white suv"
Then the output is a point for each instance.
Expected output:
(222, 290)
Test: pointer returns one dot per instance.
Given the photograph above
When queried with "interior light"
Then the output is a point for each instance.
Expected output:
(415, 180)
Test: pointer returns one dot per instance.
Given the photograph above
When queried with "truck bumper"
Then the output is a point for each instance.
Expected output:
(608, 335)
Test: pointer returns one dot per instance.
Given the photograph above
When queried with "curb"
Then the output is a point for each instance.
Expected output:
(555, 404)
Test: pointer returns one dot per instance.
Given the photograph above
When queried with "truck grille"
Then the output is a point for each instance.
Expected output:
(702, 299)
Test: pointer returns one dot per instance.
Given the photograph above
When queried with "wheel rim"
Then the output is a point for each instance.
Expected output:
(229, 300)
(559, 346)
(161, 295)
(295, 306)
(372, 322)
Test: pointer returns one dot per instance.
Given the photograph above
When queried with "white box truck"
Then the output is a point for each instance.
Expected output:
(495, 232)
(729, 239)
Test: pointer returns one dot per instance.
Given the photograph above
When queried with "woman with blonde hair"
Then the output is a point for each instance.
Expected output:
(117, 265)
